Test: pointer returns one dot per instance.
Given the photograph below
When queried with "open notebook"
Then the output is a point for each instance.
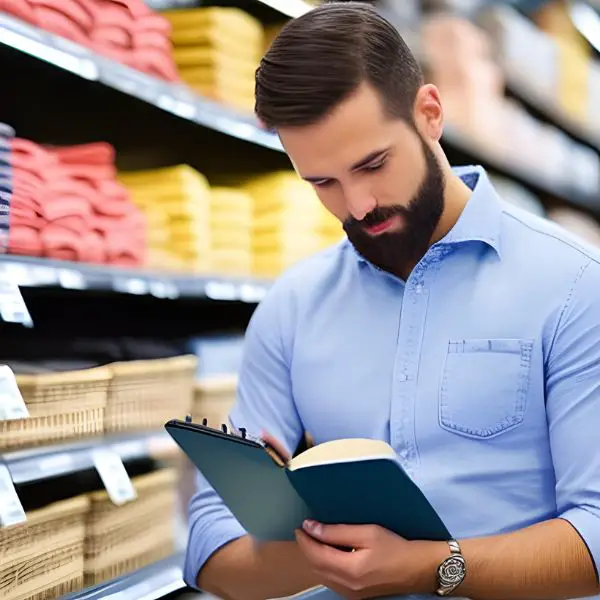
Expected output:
(351, 481)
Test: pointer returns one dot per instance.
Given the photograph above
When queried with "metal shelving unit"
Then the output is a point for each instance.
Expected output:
(36, 464)
(190, 107)
(150, 583)
(41, 272)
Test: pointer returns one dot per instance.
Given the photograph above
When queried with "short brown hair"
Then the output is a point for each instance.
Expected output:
(321, 57)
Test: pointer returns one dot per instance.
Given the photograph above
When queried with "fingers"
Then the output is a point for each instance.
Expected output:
(323, 557)
(349, 536)
(276, 445)
(337, 569)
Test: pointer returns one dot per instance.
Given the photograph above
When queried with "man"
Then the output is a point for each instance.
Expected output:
(463, 332)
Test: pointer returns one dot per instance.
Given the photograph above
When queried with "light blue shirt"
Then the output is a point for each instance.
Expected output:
(482, 370)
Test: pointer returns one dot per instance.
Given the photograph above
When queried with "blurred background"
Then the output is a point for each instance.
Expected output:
(144, 213)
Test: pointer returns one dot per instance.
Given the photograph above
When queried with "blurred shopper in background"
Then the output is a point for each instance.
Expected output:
(457, 328)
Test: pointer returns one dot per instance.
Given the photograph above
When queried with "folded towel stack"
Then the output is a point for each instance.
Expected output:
(66, 204)
(176, 203)
(231, 230)
(217, 51)
(125, 30)
(289, 222)
(7, 134)
(193, 227)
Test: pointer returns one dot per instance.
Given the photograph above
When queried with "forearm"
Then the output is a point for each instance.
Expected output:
(546, 561)
(247, 570)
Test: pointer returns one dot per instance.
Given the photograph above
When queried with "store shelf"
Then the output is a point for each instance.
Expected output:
(179, 100)
(539, 182)
(40, 272)
(176, 99)
(150, 583)
(36, 464)
(543, 106)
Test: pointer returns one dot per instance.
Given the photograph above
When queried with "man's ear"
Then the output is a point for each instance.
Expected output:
(428, 113)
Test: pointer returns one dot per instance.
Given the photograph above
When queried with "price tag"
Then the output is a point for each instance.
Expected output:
(163, 289)
(71, 280)
(181, 108)
(12, 306)
(12, 405)
(252, 293)
(11, 509)
(221, 290)
(131, 285)
(115, 478)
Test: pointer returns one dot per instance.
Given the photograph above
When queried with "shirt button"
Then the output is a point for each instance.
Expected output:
(402, 377)
(419, 289)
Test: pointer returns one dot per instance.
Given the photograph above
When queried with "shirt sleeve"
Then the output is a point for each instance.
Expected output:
(573, 409)
(264, 403)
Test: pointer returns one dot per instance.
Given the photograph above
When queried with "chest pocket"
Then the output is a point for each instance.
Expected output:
(483, 391)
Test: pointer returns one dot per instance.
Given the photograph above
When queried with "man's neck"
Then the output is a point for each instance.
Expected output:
(456, 196)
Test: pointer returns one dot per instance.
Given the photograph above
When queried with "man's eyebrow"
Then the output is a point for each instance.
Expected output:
(358, 165)
(369, 158)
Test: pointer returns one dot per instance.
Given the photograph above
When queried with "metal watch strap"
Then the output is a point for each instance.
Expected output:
(451, 571)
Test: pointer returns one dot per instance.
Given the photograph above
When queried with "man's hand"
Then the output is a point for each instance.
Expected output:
(380, 563)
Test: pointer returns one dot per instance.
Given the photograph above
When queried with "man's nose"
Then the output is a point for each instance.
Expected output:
(359, 201)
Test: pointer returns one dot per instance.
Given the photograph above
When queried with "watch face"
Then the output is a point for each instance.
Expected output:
(452, 571)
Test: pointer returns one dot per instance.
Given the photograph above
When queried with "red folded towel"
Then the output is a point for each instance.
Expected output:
(24, 240)
(25, 202)
(68, 205)
(92, 153)
(61, 24)
(154, 22)
(95, 248)
(124, 30)
(136, 8)
(75, 10)
(111, 35)
(20, 9)
(62, 243)
(154, 62)
(29, 151)
(152, 39)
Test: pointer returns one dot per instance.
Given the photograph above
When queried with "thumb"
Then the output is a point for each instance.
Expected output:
(346, 536)
(276, 445)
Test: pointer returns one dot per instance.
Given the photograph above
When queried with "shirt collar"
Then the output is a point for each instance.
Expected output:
(479, 220)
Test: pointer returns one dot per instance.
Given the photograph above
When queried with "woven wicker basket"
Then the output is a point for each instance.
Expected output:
(145, 394)
(61, 406)
(42, 558)
(214, 397)
(121, 539)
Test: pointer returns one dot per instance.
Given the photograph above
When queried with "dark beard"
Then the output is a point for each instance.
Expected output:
(397, 251)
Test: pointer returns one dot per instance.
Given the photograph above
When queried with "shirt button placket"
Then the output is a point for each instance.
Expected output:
(412, 322)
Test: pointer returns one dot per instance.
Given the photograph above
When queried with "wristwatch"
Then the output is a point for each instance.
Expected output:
(451, 571)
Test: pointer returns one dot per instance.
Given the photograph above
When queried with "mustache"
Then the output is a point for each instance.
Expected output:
(375, 217)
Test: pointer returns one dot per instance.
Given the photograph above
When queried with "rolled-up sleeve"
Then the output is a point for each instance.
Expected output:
(264, 403)
(211, 526)
(573, 408)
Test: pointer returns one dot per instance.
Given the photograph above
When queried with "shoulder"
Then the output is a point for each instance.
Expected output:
(533, 243)
(304, 284)
(557, 265)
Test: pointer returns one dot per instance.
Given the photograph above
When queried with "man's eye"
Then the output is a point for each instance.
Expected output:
(375, 166)
(322, 182)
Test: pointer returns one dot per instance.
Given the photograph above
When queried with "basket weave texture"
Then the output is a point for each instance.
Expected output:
(146, 394)
(121, 539)
(42, 558)
(61, 406)
(134, 395)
